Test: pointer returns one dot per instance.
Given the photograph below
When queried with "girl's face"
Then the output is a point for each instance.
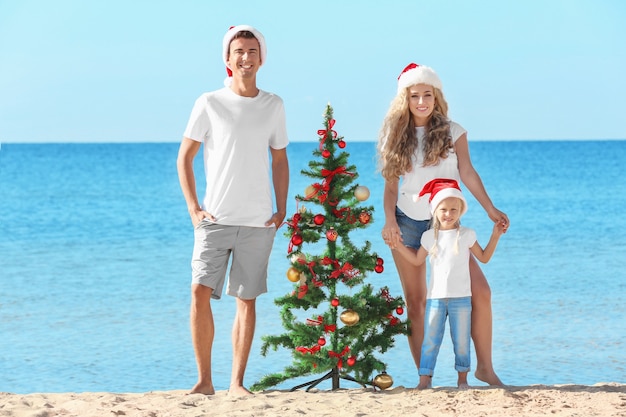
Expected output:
(421, 102)
(448, 213)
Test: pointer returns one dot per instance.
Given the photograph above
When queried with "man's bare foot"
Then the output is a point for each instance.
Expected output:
(203, 389)
(463, 385)
(489, 377)
(238, 391)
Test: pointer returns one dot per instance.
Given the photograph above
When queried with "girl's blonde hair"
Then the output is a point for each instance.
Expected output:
(397, 140)
(436, 225)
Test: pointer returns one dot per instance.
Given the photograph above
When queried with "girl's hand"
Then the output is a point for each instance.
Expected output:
(499, 229)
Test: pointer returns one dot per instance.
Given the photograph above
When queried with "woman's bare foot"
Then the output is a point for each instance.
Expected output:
(238, 391)
(203, 389)
(489, 377)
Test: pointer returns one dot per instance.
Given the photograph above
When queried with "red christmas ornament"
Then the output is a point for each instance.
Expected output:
(325, 153)
(379, 268)
(400, 311)
(379, 261)
(332, 235)
(364, 217)
(351, 361)
(334, 302)
(341, 144)
(321, 341)
(319, 219)
(296, 239)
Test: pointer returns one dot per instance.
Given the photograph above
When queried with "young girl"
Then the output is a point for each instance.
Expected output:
(449, 290)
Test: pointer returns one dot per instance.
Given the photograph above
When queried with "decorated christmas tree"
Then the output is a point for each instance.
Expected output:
(335, 322)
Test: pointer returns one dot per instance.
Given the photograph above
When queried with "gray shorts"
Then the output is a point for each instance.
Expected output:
(250, 248)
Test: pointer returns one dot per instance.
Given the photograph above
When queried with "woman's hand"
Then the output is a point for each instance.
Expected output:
(391, 234)
(499, 217)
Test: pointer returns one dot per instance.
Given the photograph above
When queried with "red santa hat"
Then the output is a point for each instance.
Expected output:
(414, 74)
(228, 37)
(440, 189)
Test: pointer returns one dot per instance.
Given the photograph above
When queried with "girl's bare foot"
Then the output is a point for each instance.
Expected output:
(461, 381)
(426, 382)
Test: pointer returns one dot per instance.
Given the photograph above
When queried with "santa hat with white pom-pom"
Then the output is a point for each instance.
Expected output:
(440, 189)
(228, 37)
(414, 74)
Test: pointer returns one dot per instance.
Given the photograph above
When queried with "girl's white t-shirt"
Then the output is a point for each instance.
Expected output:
(449, 271)
(411, 183)
(237, 133)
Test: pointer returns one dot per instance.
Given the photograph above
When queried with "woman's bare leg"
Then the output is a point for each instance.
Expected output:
(482, 326)
(413, 279)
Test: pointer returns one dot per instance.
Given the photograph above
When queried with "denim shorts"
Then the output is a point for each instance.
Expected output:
(411, 230)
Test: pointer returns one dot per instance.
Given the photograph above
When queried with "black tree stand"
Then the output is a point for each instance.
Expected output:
(332, 374)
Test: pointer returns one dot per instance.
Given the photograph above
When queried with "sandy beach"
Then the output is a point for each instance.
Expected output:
(604, 399)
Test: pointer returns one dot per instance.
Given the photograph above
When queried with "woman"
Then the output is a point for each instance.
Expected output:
(418, 143)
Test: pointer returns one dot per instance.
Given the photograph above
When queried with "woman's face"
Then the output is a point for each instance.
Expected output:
(421, 102)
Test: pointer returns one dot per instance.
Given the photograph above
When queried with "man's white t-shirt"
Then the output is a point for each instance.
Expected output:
(413, 182)
(449, 271)
(237, 133)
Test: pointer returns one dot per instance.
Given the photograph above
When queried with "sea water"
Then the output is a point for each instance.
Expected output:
(95, 246)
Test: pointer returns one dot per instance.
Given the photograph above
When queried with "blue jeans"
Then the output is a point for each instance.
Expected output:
(459, 310)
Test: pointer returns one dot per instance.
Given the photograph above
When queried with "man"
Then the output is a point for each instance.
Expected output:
(237, 125)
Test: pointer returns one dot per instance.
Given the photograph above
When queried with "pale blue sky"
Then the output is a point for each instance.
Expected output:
(123, 70)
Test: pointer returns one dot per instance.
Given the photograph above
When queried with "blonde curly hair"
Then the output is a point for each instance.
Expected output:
(397, 141)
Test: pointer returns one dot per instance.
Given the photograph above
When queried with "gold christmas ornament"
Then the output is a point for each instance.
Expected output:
(383, 381)
(310, 192)
(349, 317)
(293, 274)
(362, 193)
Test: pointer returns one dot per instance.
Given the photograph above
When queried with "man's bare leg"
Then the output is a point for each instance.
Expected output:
(202, 333)
(242, 336)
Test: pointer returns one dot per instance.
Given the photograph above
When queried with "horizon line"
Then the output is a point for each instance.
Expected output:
(112, 142)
